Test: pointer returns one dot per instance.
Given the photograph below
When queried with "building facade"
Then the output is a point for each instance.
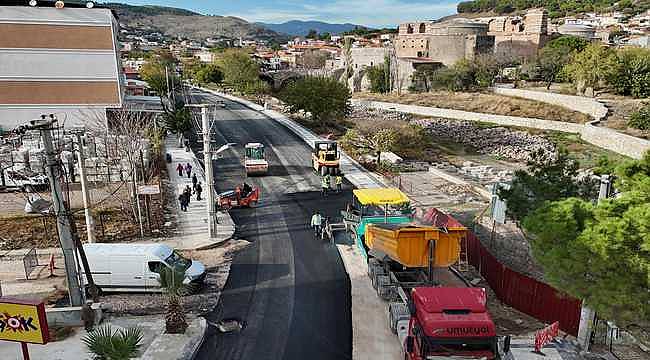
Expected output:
(445, 42)
(58, 61)
(517, 36)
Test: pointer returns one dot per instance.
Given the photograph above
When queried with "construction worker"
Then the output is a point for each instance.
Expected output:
(338, 181)
(316, 223)
(325, 185)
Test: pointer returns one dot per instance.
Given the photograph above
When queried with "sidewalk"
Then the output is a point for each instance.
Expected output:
(192, 225)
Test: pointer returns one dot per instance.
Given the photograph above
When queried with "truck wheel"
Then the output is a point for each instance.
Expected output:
(383, 286)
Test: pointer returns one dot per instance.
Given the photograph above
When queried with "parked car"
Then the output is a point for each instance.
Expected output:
(136, 267)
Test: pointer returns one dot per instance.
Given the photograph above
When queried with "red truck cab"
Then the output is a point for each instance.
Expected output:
(450, 322)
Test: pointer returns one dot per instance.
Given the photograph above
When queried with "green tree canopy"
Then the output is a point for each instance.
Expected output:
(312, 34)
(546, 179)
(324, 98)
(631, 75)
(600, 253)
(379, 76)
(239, 70)
(208, 73)
(592, 67)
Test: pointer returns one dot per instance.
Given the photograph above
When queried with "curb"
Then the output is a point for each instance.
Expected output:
(194, 350)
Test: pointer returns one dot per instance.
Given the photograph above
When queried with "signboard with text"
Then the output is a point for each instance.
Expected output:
(148, 189)
(23, 321)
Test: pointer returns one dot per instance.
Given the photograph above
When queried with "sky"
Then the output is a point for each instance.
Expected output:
(374, 13)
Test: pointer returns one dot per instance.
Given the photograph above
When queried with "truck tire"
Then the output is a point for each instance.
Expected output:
(396, 311)
(383, 287)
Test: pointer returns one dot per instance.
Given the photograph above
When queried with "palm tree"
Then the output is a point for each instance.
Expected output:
(106, 344)
(171, 280)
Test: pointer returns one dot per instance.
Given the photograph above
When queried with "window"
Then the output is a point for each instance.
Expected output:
(423, 28)
(154, 266)
(371, 63)
(409, 29)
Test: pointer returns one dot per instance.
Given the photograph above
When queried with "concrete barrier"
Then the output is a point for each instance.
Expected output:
(71, 316)
(178, 346)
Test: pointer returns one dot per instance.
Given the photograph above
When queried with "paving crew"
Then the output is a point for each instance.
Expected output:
(338, 181)
(316, 223)
(325, 185)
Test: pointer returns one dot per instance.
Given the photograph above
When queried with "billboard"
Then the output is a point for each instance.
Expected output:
(23, 321)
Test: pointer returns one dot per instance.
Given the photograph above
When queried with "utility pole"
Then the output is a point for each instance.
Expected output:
(587, 314)
(209, 176)
(53, 168)
(90, 224)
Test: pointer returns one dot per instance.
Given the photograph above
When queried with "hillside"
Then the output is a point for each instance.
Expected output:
(301, 28)
(556, 8)
(173, 22)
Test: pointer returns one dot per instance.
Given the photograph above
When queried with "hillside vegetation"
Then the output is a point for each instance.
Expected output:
(556, 8)
(173, 22)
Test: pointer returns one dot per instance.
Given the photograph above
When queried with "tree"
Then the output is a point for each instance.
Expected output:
(631, 75)
(379, 76)
(239, 70)
(208, 73)
(370, 140)
(600, 253)
(573, 43)
(546, 179)
(347, 58)
(178, 119)
(171, 281)
(312, 34)
(324, 98)
(325, 36)
(551, 61)
(423, 77)
(591, 67)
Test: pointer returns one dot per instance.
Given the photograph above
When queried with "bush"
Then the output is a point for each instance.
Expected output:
(640, 119)
(632, 73)
(106, 344)
(379, 77)
(465, 75)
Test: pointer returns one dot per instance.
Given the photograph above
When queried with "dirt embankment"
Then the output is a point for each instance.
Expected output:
(482, 102)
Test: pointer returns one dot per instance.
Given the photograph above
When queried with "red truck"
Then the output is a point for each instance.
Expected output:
(449, 322)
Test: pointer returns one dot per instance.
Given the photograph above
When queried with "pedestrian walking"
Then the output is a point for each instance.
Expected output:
(182, 199)
(316, 223)
(325, 185)
(188, 170)
(338, 180)
(194, 181)
(179, 168)
(197, 190)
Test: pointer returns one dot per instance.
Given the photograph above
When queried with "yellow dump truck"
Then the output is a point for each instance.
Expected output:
(405, 255)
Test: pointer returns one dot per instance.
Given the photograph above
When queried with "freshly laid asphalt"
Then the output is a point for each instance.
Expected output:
(290, 290)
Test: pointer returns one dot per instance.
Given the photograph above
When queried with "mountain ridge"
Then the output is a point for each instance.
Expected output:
(302, 27)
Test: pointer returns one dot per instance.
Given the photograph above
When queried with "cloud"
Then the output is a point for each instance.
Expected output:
(376, 13)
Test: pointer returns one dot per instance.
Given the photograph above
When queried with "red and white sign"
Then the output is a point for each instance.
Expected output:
(545, 335)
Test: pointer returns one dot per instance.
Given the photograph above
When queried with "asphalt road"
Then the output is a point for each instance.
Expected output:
(290, 290)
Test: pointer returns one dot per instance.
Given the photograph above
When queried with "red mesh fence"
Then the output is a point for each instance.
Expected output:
(523, 293)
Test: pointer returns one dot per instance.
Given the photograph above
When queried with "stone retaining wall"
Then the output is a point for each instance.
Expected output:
(602, 137)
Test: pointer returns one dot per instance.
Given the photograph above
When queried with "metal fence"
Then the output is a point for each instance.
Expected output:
(523, 293)
(30, 262)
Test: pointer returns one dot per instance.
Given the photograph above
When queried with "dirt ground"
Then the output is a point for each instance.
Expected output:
(620, 110)
(483, 102)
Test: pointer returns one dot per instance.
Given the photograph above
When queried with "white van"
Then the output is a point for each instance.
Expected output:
(133, 267)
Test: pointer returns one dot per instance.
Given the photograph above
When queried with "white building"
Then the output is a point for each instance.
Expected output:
(204, 56)
(58, 61)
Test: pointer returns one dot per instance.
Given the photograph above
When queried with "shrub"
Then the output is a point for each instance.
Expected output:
(106, 344)
(640, 119)
(325, 98)
(632, 73)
